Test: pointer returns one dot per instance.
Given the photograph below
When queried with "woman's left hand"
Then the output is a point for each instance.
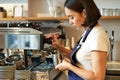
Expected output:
(64, 65)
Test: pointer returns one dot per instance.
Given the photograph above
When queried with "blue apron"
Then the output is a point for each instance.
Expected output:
(71, 74)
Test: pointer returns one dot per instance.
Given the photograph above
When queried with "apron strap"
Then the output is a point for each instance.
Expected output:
(78, 46)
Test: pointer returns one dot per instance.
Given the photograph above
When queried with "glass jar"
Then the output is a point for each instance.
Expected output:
(2, 12)
(18, 11)
(117, 12)
(105, 12)
(110, 12)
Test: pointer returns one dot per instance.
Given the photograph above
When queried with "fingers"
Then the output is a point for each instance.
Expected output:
(61, 66)
(49, 35)
(52, 35)
(58, 67)
(59, 60)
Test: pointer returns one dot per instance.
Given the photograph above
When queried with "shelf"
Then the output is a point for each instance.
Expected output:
(36, 18)
(12, 19)
(54, 18)
(110, 17)
(46, 18)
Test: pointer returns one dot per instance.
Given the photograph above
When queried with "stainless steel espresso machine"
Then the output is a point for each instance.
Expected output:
(21, 38)
(27, 39)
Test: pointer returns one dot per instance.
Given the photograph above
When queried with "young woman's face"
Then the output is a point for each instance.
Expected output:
(75, 18)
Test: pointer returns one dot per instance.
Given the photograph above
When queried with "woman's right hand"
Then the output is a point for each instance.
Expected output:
(54, 37)
(55, 43)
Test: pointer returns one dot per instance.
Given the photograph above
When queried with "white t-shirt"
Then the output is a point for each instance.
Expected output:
(96, 40)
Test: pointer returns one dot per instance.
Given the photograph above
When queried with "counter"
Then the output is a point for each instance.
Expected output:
(113, 66)
(113, 70)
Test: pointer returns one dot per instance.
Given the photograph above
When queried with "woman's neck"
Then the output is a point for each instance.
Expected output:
(85, 28)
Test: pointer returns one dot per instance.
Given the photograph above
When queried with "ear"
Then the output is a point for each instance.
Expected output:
(84, 13)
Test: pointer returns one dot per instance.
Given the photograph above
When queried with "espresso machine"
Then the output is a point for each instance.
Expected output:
(31, 39)
(21, 38)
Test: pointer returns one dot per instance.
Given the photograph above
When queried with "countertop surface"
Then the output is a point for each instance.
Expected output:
(113, 67)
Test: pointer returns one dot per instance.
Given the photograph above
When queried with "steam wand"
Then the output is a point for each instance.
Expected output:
(112, 45)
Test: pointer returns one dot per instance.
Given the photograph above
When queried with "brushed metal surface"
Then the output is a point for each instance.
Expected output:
(113, 65)
(20, 38)
(113, 68)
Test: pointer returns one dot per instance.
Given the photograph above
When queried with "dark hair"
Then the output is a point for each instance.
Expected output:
(92, 12)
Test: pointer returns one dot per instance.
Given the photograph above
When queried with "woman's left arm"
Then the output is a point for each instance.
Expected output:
(99, 59)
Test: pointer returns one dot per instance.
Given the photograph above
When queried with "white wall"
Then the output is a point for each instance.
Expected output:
(40, 8)
(108, 3)
(9, 5)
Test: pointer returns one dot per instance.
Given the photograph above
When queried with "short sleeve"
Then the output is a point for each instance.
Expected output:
(99, 41)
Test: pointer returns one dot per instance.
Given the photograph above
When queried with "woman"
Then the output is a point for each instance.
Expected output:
(89, 57)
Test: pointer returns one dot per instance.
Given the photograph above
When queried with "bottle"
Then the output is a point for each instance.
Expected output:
(18, 11)
(2, 12)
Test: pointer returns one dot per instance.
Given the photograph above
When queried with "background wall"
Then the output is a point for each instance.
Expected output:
(10, 4)
(115, 26)
(40, 8)
(108, 3)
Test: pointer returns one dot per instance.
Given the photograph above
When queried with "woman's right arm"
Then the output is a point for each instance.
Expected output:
(63, 50)
(55, 43)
